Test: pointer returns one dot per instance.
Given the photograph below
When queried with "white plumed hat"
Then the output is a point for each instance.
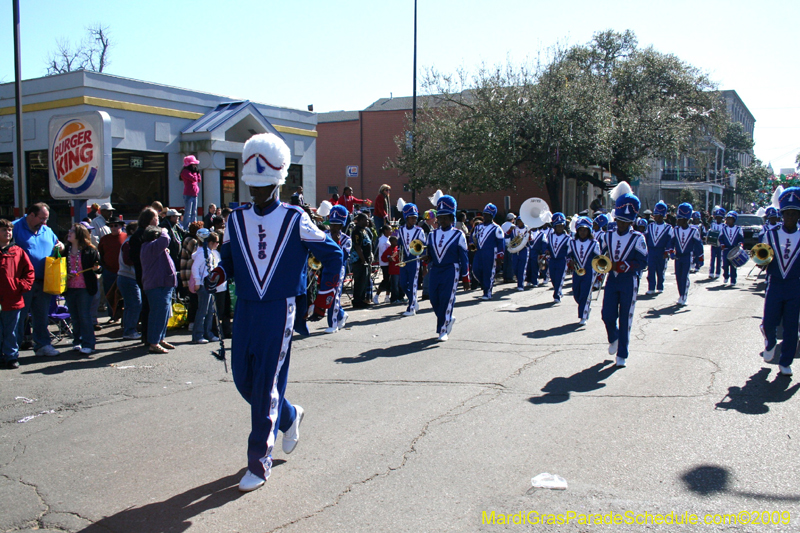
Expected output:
(265, 160)
(776, 197)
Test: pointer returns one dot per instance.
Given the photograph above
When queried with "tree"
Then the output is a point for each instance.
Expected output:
(90, 54)
(605, 104)
(689, 196)
(737, 141)
(753, 183)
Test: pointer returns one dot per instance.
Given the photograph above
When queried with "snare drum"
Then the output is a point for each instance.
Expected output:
(713, 238)
(738, 257)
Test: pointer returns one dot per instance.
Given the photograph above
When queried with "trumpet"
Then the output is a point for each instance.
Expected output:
(314, 263)
(762, 254)
(602, 264)
(416, 247)
(581, 271)
(404, 263)
(473, 247)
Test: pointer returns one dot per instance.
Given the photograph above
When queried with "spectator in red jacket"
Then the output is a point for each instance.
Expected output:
(191, 178)
(16, 278)
(349, 201)
(383, 207)
(109, 248)
(392, 256)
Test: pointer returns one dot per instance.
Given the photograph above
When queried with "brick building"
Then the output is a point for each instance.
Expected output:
(366, 139)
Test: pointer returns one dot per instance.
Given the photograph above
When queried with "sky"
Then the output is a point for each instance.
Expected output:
(346, 54)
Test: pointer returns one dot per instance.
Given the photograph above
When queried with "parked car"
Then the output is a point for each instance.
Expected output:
(751, 226)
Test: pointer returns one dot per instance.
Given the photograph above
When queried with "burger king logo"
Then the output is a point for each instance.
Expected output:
(74, 157)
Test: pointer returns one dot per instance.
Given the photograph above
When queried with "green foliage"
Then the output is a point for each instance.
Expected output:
(754, 185)
(605, 104)
(689, 196)
(736, 141)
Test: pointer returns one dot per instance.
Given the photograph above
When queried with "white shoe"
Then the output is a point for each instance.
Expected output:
(733, 283)
(387, 299)
(484, 297)
(612, 348)
(214, 338)
(250, 482)
(331, 330)
(87, 351)
(443, 337)
(134, 336)
(450, 325)
(416, 306)
(769, 355)
(76, 347)
(201, 341)
(659, 291)
(291, 437)
(650, 292)
(47, 351)
(620, 363)
(582, 322)
(785, 370)
(375, 299)
(409, 313)
(556, 300)
(343, 321)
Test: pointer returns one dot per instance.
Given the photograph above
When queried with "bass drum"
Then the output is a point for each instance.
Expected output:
(713, 238)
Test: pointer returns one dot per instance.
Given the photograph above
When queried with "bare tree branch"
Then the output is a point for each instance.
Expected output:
(90, 54)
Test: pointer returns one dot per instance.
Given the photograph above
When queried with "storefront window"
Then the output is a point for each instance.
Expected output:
(7, 177)
(229, 183)
(39, 191)
(293, 181)
(140, 178)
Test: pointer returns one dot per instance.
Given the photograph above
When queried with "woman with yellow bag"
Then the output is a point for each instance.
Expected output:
(83, 262)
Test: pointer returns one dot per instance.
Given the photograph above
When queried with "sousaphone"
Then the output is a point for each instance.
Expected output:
(535, 213)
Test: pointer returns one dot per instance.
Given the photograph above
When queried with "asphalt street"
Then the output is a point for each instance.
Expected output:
(403, 433)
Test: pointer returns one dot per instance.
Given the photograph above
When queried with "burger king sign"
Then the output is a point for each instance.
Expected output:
(80, 156)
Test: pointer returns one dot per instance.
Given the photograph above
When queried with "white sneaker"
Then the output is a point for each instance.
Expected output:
(659, 291)
(331, 330)
(409, 313)
(291, 437)
(443, 337)
(250, 482)
(214, 338)
(612, 348)
(450, 325)
(785, 370)
(87, 351)
(556, 300)
(76, 347)
(135, 336)
(733, 283)
(416, 306)
(375, 299)
(520, 289)
(620, 363)
(582, 322)
(201, 341)
(650, 292)
(47, 351)
(769, 355)
(484, 297)
(387, 299)
(343, 321)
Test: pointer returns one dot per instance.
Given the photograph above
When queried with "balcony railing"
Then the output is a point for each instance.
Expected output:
(689, 174)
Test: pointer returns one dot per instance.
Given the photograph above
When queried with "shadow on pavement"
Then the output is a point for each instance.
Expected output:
(535, 307)
(752, 399)
(70, 360)
(708, 480)
(670, 310)
(553, 332)
(390, 351)
(559, 390)
(175, 513)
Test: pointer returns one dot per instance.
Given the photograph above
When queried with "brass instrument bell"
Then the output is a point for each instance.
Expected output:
(416, 247)
(602, 264)
(762, 254)
(314, 263)
(581, 271)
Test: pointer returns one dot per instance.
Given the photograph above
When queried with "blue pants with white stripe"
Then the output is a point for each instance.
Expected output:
(582, 292)
(260, 352)
(519, 261)
(335, 312)
(442, 290)
(782, 302)
(728, 268)
(656, 264)
(716, 261)
(533, 268)
(619, 302)
(484, 267)
(558, 268)
(409, 279)
(683, 263)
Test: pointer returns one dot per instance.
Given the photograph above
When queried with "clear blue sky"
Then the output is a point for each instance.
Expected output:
(347, 54)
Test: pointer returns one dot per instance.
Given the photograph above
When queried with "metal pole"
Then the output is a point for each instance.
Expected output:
(18, 96)
(414, 98)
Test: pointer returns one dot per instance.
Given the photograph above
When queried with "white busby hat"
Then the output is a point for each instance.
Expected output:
(265, 160)
(626, 206)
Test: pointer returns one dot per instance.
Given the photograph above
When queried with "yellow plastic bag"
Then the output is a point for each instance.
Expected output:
(55, 274)
(179, 317)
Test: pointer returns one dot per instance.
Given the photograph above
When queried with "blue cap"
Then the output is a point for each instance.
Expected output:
(612, 226)
(447, 206)
(771, 212)
(719, 212)
(660, 209)
(640, 222)
(410, 210)
(627, 207)
(602, 220)
(734, 215)
(491, 209)
(338, 215)
(558, 218)
(684, 211)
(790, 199)
(583, 222)
(696, 214)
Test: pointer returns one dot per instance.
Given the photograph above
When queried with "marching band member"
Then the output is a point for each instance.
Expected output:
(686, 243)
(337, 218)
(265, 248)
(640, 225)
(599, 227)
(628, 252)
(730, 237)
(658, 238)
(446, 253)
(782, 299)
(491, 245)
(557, 250)
(773, 221)
(716, 252)
(537, 247)
(409, 273)
(697, 222)
(519, 260)
(582, 249)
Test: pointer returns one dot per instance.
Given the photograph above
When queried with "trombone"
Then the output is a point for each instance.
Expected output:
(762, 254)
(602, 264)
(416, 247)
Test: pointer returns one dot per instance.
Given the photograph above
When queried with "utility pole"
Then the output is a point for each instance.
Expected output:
(18, 95)
(414, 99)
